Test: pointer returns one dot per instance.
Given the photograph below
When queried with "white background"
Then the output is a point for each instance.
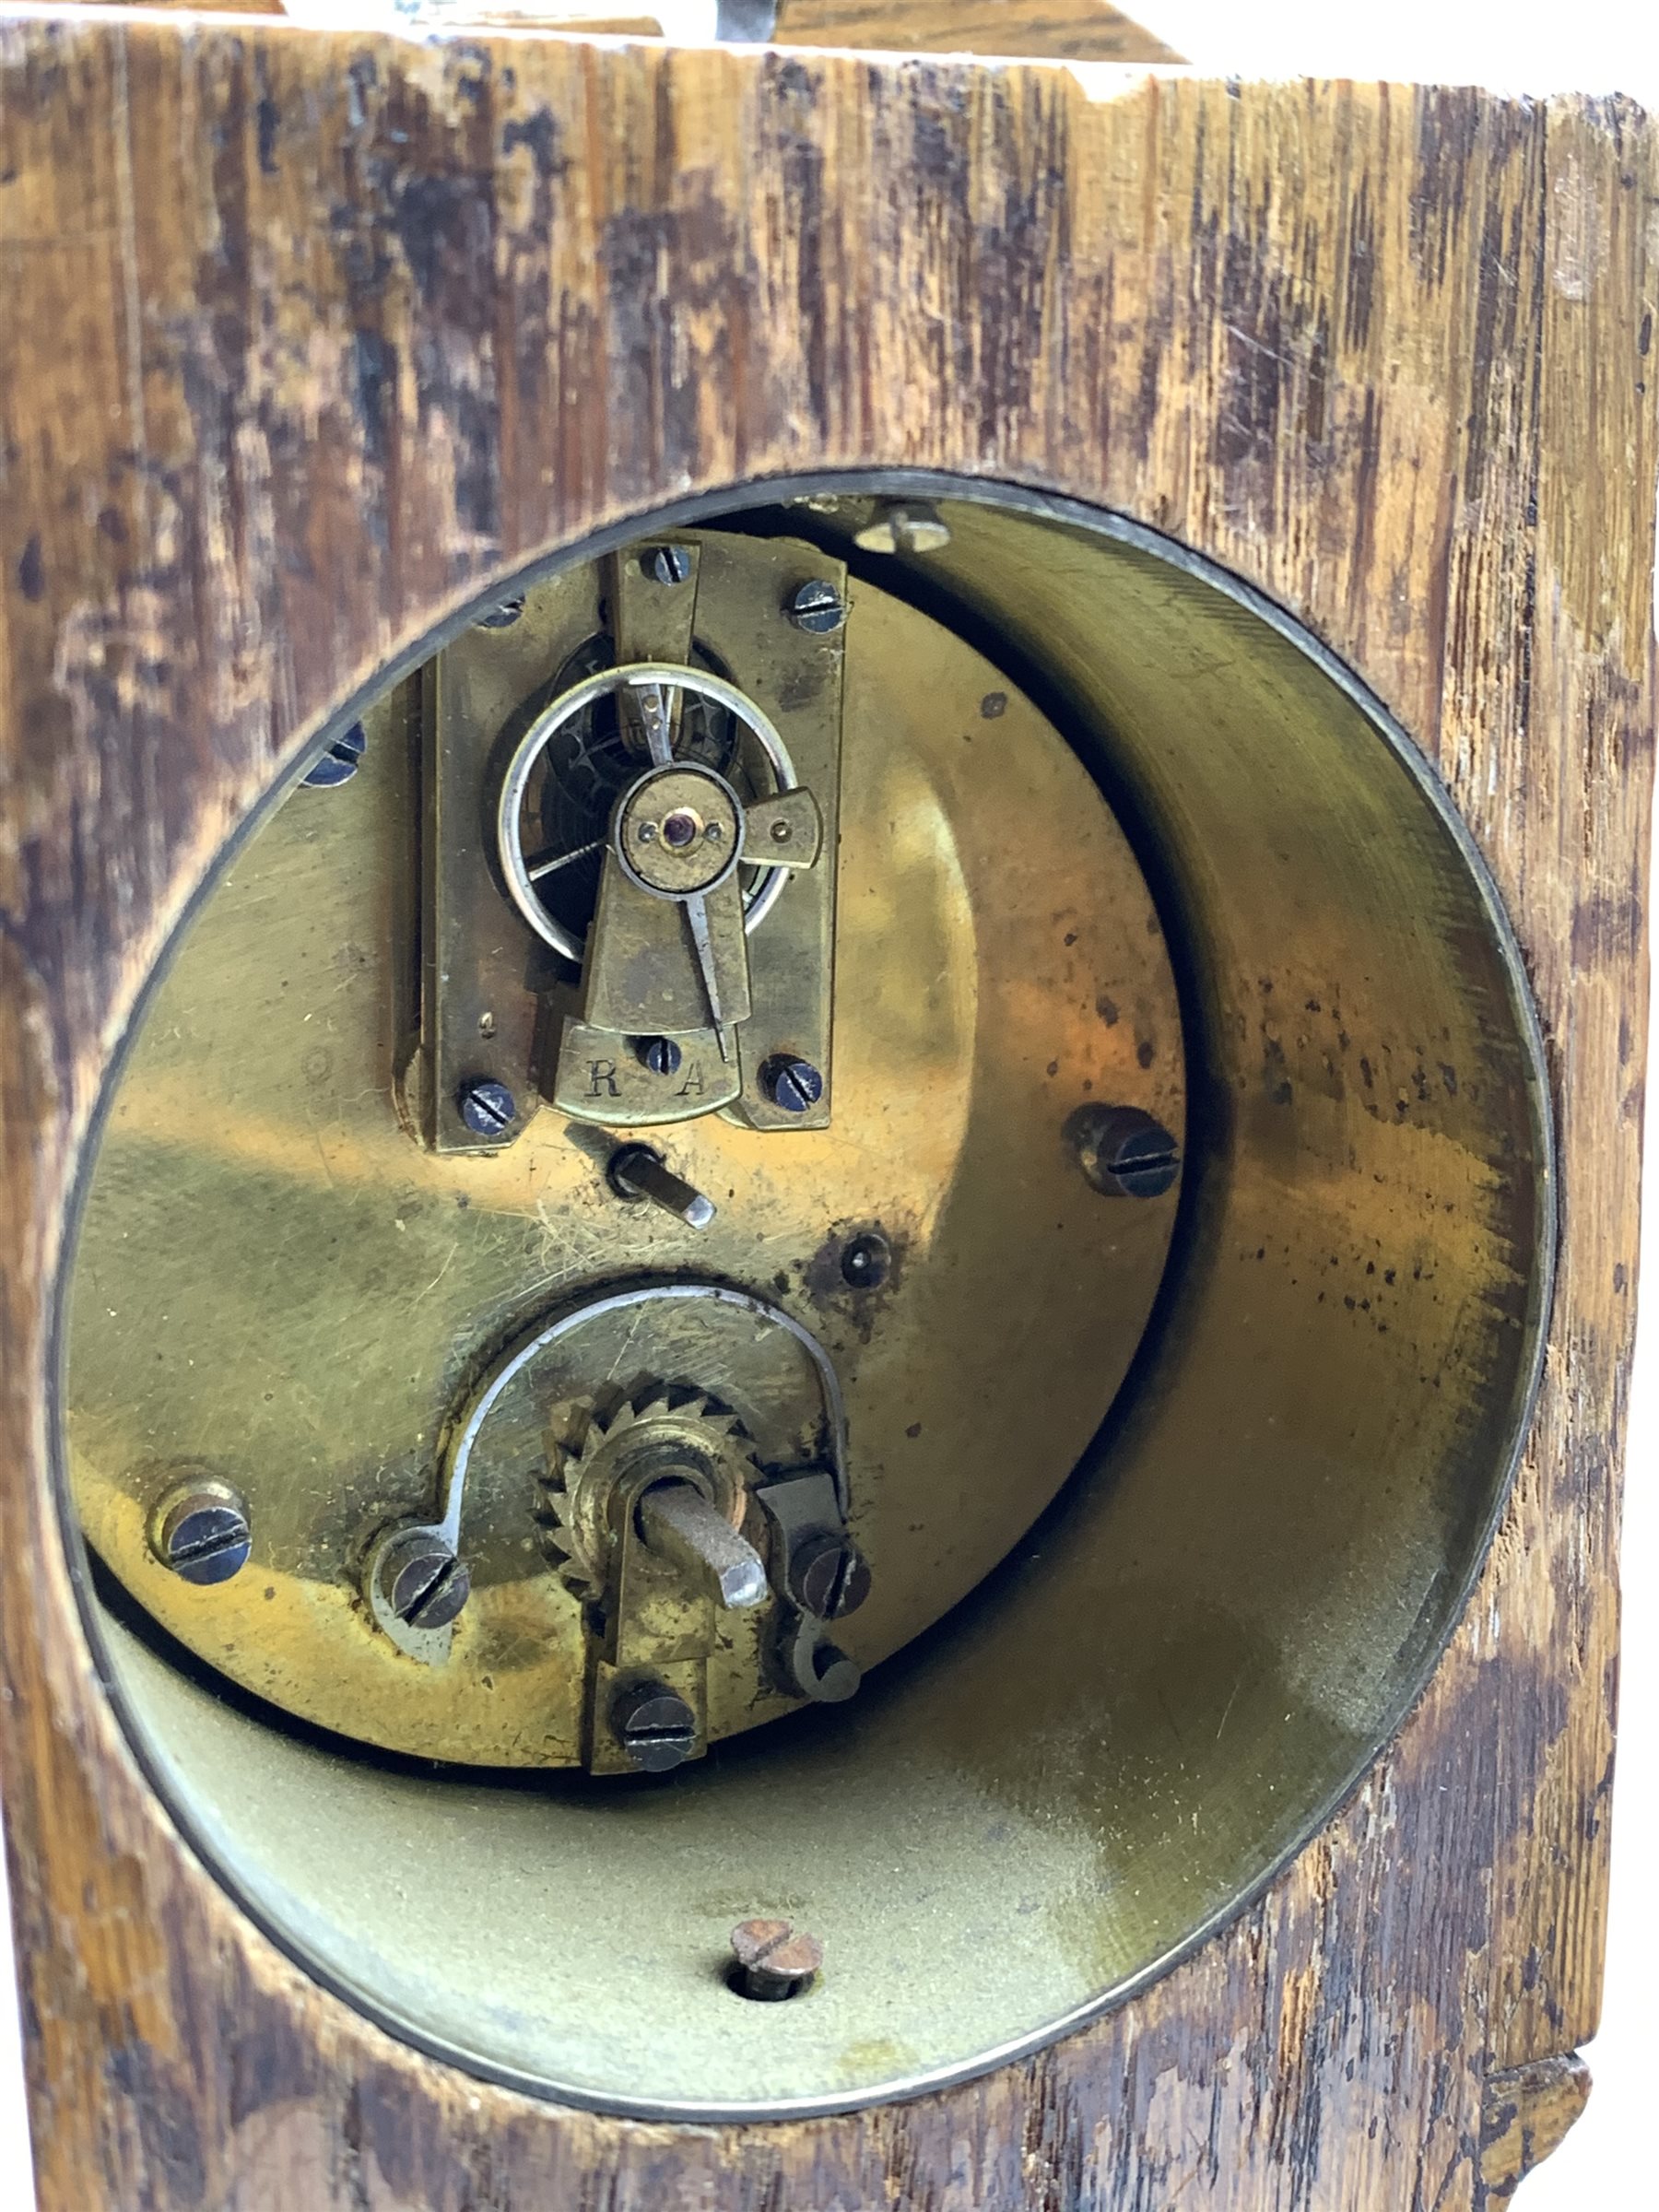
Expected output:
(1590, 46)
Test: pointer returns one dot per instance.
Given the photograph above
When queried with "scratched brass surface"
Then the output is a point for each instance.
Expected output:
(1090, 1761)
(277, 1285)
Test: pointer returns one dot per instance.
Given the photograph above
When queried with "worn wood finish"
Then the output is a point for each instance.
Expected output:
(308, 339)
(1529, 2112)
(1078, 30)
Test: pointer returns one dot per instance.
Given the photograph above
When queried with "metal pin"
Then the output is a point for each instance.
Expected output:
(679, 1521)
(637, 1173)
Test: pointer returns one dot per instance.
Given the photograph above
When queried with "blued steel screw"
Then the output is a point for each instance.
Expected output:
(816, 607)
(1123, 1152)
(771, 1962)
(503, 614)
(830, 1576)
(660, 1054)
(201, 1532)
(792, 1083)
(668, 564)
(427, 1585)
(339, 763)
(654, 1725)
(867, 1261)
(488, 1108)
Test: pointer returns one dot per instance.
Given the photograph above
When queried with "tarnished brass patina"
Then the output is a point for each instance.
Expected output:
(1098, 1750)
(281, 1286)
(648, 813)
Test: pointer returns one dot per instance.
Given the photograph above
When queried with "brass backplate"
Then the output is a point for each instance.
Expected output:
(279, 1284)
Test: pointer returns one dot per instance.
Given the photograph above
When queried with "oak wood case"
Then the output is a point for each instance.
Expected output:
(308, 337)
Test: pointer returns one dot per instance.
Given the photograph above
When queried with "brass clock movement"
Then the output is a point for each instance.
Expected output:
(602, 1125)
(820, 1048)
(685, 1209)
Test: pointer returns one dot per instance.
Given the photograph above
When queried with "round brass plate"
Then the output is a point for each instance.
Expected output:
(679, 830)
(1099, 1755)
(278, 1285)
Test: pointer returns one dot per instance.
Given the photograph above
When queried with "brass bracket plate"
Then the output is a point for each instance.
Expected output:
(482, 972)
(496, 1002)
(998, 963)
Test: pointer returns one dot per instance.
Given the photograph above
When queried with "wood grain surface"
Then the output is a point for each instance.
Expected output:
(1078, 30)
(307, 338)
(1530, 2110)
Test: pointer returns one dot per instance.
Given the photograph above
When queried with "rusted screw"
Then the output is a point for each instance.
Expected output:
(1123, 1152)
(486, 1107)
(422, 1581)
(654, 1725)
(201, 1532)
(339, 762)
(668, 564)
(830, 1576)
(816, 607)
(792, 1083)
(771, 1962)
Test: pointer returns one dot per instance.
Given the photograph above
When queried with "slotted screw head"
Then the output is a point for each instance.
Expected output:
(503, 614)
(816, 607)
(339, 763)
(792, 1083)
(654, 1725)
(423, 1582)
(660, 1054)
(1123, 1152)
(830, 1576)
(668, 564)
(201, 1532)
(486, 1107)
(771, 1961)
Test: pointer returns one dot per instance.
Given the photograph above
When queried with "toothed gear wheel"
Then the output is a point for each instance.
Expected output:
(600, 1465)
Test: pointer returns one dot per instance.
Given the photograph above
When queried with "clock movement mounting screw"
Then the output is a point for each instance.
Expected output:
(339, 762)
(816, 607)
(488, 1108)
(866, 1262)
(201, 1532)
(423, 1582)
(668, 564)
(1123, 1152)
(792, 1083)
(905, 526)
(503, 614)
(829, 1576)
(660, 1054)
(654, 1727)
(771, 1962)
